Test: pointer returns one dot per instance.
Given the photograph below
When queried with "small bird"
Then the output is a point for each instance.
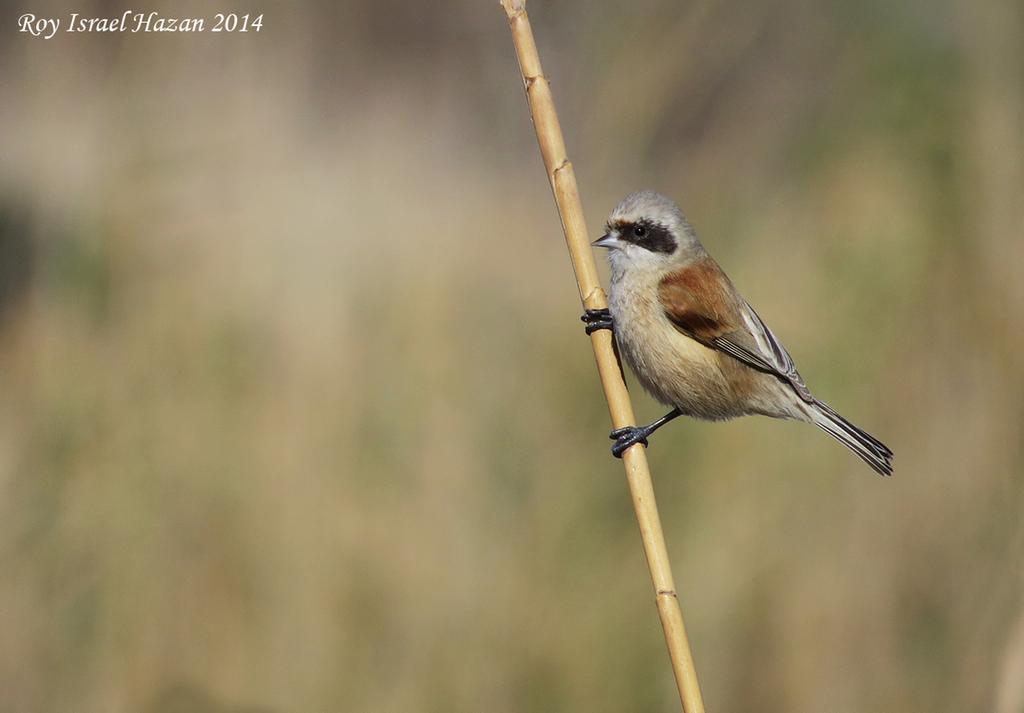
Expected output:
(692, 340)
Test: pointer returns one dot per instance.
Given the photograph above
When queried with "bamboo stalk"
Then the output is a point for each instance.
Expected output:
(570, 210)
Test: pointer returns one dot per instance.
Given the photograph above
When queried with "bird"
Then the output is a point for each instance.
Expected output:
(692, 340)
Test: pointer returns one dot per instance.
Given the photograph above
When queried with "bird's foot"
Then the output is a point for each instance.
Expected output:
(596, 319)
(628, 436)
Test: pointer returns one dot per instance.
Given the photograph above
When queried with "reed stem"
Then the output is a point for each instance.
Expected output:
(563, 184)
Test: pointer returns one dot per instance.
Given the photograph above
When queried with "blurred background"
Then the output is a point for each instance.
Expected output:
(297, 413)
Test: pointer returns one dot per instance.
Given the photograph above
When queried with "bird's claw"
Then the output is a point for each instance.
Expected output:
(627, 437)
(596, 319)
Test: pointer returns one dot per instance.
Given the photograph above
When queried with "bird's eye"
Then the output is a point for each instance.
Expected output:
(639, 230)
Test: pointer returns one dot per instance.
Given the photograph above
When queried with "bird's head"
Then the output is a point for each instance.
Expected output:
(647, 231)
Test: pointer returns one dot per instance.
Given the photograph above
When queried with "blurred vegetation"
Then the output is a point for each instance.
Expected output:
(297, 411)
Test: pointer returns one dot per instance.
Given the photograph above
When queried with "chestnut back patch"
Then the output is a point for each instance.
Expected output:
(695, 300)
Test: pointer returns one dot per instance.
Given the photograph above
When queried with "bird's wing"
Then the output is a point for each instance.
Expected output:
(701, 302)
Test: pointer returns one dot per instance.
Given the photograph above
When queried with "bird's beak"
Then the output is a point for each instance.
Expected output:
(608, 240)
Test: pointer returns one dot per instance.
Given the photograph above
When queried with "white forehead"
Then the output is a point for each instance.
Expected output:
(650, 206)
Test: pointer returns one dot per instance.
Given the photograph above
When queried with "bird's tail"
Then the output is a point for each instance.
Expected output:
(871, 450)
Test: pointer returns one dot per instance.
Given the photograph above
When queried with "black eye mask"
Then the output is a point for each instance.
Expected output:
(648, 235)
